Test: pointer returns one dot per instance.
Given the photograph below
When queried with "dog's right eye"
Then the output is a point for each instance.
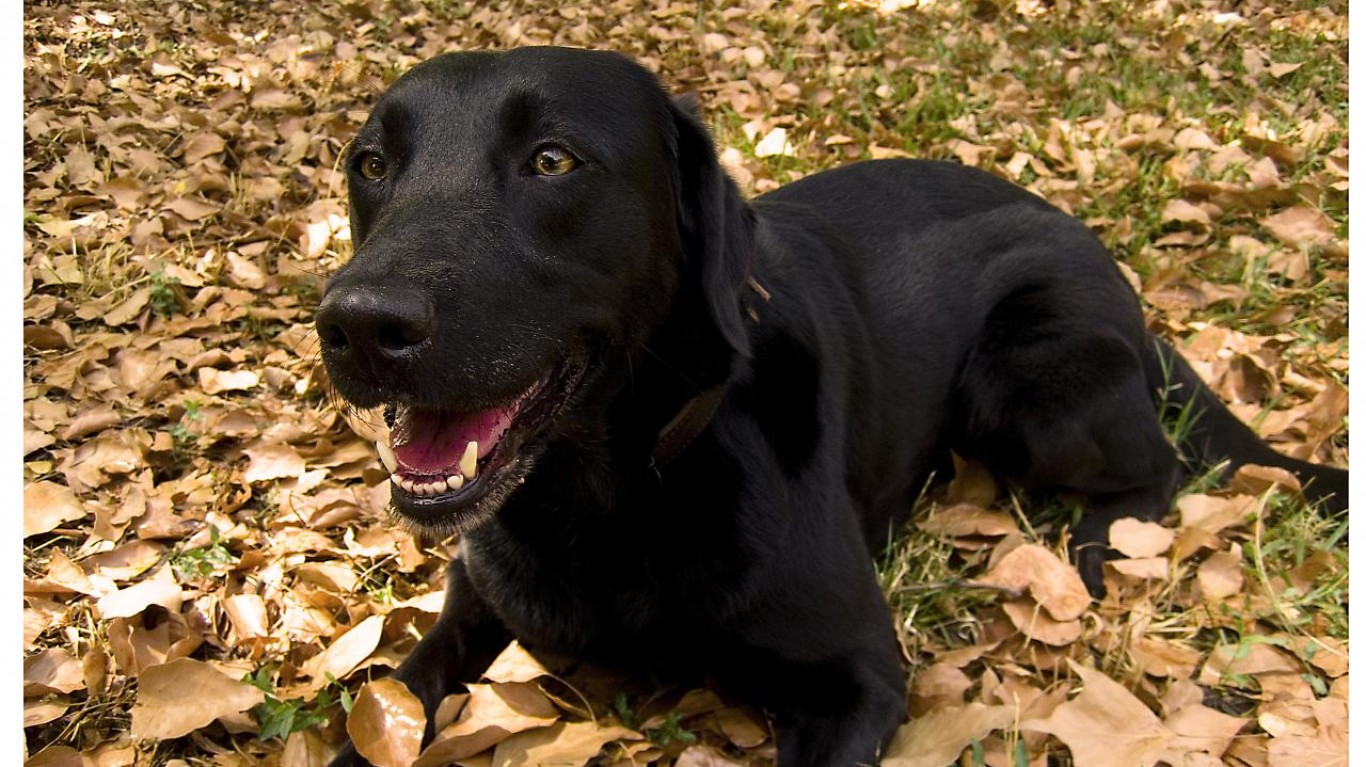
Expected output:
(372, 166)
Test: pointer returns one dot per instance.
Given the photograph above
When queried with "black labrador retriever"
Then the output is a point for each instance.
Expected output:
(674, 427)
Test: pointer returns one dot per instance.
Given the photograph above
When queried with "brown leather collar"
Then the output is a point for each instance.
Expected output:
(690, 422)
(696, 413)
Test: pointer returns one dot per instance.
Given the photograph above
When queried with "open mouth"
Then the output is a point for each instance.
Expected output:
(449, 468)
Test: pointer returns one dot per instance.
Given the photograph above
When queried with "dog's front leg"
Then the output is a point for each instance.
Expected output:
(465, 639)
(822, 657)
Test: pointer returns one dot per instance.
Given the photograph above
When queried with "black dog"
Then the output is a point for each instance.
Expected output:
(697, 419)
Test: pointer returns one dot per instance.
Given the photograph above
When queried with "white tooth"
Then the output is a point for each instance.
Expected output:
(406, 484)
(425, 488)
(439, 486)
(455, 482)
(386, 455)
(469, 462)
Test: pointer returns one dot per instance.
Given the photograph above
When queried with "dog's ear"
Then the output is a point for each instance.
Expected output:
(716, 224)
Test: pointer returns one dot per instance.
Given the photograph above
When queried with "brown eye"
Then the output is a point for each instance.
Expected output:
(372, 166)
(552, 161)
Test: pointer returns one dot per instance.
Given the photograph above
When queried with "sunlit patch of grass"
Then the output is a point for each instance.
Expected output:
(925, 582)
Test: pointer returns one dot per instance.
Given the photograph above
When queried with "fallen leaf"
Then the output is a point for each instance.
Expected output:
(52, 671)
(939, 737)
(705, 756)
(1138, 539)
(1301, 227)
(269, 462)
(1213, 514)
(514, 664)
(774, 144)
(966, 519)
(386, 724)
(1106, 725)
(214, 381)
(492, 714)
(1035, 623)
(160, 589)
(1220, 575)
(345, 653)
(564, 744)
(1055, 585)
(49, 505)
(1201, 728)
(1325, 749)
(176, 698)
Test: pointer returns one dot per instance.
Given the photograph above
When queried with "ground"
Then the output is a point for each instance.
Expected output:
(209, 574)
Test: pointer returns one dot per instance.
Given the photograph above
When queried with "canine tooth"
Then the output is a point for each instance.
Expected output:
(469, 462)
(386, 455)
(455, 482)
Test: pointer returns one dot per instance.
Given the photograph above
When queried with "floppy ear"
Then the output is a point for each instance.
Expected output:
(716, 224)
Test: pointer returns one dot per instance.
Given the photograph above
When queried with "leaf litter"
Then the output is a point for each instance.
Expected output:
(198, 518)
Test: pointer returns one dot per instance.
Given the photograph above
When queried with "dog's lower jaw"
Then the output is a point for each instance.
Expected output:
(476, 514)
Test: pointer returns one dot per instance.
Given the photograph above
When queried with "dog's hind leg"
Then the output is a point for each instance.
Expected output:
(1064, 406)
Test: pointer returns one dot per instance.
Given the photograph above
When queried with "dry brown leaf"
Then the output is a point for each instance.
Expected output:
(939, 737)
(1138, 539)
(1200, 728)
(304, 748)
(515, 664)
(49, 505)
(1244, 658)
(493, 713)
(936, 686)
(705, 756)
(52, 671)
(1327, 748)
(179, 697)
(41, 711)
(160, 589)
(965, 519)
(344, 654)
(1147, 569)
(1301, 227)
(1034, 622)
(1185, 212)
(741, 727)
(191, 208)
(1221, 575)
(1251, 479)
(972, 484)
(386, 724)
(1213, 514)
(1054, 584)
(214, 381)
(564, 744)
(268, 462)
(56, 756)
(1106, 725)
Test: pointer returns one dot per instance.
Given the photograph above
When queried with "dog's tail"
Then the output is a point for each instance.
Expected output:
(1206, 429)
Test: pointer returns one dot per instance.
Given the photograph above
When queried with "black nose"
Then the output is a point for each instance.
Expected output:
(373, 326)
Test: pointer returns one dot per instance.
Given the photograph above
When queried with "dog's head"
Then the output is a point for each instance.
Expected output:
(524, 223)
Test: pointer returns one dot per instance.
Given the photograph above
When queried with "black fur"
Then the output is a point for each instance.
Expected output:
(903, 309)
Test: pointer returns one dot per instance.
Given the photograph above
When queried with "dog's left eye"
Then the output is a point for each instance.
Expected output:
(552, 160)
(372, 166)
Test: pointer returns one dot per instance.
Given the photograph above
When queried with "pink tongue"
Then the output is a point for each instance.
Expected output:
(432, 443)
